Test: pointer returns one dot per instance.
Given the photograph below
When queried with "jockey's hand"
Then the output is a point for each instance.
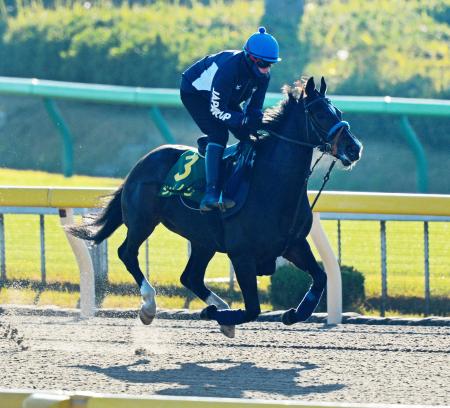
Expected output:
(252, 122)
(241, 133)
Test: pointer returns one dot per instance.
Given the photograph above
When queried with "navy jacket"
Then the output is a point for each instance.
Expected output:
(226, 80)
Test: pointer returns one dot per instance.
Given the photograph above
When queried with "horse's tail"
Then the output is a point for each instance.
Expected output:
(101, 226)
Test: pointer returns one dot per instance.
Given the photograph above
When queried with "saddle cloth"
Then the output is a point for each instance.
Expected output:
(187, 176)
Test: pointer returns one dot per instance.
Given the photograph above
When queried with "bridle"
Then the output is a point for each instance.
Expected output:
(329, 139)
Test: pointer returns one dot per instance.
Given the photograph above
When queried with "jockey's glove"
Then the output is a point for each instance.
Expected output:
(241, 133)
(252, 122)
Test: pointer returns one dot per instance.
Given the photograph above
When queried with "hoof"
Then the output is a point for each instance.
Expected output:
(228, 331)
(207, 312)
(289, 318)
(147, 313)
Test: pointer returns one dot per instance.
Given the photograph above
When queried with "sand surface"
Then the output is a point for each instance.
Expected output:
(352, 363)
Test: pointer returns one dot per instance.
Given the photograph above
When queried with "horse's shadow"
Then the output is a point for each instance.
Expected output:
(218, 378)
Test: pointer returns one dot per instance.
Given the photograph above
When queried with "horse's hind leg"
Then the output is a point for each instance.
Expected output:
(140, 219)
(128, 253)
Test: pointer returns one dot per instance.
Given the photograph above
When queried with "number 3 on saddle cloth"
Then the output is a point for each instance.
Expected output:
(186, 178)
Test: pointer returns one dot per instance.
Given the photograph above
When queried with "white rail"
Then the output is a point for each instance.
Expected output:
(54, 399)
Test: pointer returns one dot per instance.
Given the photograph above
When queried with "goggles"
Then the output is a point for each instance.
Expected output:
(261, 63)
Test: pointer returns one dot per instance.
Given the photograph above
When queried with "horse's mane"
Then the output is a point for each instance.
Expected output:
(274, 117)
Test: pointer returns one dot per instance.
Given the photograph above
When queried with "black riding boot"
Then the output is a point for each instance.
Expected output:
(213, 162)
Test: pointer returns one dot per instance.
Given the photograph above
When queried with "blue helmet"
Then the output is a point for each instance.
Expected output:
(263, 46)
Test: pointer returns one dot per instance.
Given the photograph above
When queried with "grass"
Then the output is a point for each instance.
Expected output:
(168, 252)
(70, 300)
(17, 296)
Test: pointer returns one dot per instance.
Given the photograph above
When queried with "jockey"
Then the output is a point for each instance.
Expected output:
(212, 90)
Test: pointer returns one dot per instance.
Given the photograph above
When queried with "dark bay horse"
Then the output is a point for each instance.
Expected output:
(255, 236)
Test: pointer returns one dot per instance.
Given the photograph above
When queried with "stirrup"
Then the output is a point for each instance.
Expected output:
(209, 203)
(226, 203)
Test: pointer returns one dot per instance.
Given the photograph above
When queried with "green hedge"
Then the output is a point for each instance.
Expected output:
(140, 46)
(289, 284)
(150, 44)
(367, 48)
(384, 47)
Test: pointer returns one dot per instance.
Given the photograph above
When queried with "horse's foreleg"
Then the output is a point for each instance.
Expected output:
(215, 300)
(300, 255)
(246, 277)
(193, 278)
(194, 274)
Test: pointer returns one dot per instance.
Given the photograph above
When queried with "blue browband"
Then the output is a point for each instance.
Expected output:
(337, 126)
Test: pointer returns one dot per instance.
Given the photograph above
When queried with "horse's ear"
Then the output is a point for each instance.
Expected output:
(323, 86)
(310, 86)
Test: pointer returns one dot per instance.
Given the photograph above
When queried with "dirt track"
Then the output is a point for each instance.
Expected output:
(357, 363)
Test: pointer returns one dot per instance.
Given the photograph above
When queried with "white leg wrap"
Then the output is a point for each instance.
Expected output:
(217, 301)
(148, 307)
(148, 292)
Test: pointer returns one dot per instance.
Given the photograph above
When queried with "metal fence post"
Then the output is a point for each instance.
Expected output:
(104, 259)
(339, 242)
(42, 241)
(383, 268)
(427, 268)
(2, 249)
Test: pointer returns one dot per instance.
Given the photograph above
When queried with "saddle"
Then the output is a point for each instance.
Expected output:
(187, 176)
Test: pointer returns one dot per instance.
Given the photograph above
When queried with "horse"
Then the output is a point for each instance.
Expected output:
(274, 220)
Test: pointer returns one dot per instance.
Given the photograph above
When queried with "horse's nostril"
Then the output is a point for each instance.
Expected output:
(354, 149)
(353, 152)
